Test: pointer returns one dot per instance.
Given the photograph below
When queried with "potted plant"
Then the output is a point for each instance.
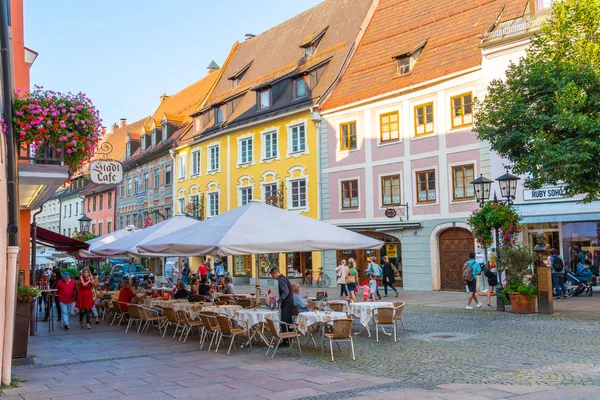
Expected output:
(520, 286)
(26, 295)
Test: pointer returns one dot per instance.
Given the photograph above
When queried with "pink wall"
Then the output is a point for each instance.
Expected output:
(335, 194)
(103, 214)
(386, 151)
(467, 157)
(340, 158)
(460, 139)
(425, 144)
(422, 164)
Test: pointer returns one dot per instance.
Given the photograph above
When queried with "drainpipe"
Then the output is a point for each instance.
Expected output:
(34, 246)
(12, 188)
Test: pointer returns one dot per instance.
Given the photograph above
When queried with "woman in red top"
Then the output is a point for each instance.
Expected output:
(85, 298)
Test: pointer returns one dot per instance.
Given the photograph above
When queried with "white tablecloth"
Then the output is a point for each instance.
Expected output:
(164, 303)
(190, 308)
(228, 310)
(306, 319)
(253, 317)
(364, 310)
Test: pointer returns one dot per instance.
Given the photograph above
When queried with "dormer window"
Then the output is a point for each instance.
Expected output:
(236, 78)
(128, 149)
(143, 142)
(310, 46)
(165, 127)
(219, 115)
(235, 83)
(154, 134)
(264, 99)
(405, 62)
(541, 6)
(299, 88)
(198, 123)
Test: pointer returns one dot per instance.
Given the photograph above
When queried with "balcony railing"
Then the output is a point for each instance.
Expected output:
(43, 154)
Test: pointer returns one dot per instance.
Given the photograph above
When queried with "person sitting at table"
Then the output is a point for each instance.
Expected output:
(127, 296)
(229, 288)
(299, 302)
(112, 285)
(144, 282)
(169, 283)
(137, 288)
(195, 287)
(181, 292)
(220, 285)
(204, 288)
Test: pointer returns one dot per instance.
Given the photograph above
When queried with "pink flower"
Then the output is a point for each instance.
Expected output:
(22, 133)
(74, 142)
(58, 150)
(63, 138)
(69, 151)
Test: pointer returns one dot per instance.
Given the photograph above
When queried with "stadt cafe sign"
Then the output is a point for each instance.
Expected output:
(106, 171)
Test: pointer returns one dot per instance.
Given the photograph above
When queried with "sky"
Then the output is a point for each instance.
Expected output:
(124, 54)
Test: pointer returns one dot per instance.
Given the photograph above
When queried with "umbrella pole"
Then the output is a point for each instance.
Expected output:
(257, 282)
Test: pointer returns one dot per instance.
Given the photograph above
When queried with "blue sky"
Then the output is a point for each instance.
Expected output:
(125, 53)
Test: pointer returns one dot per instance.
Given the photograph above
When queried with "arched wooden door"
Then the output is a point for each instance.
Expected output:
(455, 246)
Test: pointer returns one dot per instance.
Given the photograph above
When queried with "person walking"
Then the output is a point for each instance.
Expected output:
(175, 273)
(185, 273)
(558, 274)
(286, 299)
(375, 270)
(66, 289)
(342, 273)
(470, 271)
(492, 278)
(372, 287)
(389, 276)
(352, 280)
(85, 297)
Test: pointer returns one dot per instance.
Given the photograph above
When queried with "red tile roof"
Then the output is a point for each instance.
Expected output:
(450, 27)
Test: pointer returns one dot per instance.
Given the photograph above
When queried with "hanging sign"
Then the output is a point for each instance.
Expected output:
(148, 222)
(391, 250)
(106, 171)
(556, 192)
(390, 213)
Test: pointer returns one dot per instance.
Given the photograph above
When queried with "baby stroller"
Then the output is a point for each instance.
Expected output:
(579, 284)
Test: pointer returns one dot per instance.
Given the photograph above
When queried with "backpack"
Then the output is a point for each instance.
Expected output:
(467, 272)
(557, 264)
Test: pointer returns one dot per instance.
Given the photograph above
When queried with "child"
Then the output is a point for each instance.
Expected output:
(373, 287)
(365, 288)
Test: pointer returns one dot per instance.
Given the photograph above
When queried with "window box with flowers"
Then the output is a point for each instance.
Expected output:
(53, 126)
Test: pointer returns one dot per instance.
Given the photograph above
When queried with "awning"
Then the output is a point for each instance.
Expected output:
(58, 241)
(560, 211)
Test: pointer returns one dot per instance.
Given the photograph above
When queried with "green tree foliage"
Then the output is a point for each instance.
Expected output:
(544, 117)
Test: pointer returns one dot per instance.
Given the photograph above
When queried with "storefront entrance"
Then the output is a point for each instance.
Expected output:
(392, 249)
(455, 246)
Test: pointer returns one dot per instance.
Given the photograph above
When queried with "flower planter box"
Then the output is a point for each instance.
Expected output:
(22, 324)
(520, 304)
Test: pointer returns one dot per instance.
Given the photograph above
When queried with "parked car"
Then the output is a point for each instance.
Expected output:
(121, 272)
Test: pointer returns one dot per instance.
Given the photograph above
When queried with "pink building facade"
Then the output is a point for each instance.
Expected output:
(99, 205)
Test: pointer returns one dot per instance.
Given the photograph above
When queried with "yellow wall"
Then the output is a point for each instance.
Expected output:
(233, 175)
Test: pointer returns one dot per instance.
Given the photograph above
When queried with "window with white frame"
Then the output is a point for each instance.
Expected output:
(213, 158)
(195, 162)
(168, 176)
(245, 195)
(299, 88)
(137, 185)
(298, 138)
(182, 170)
(143, 143)
(198, 122)
(426, 186)
(213, 204)
(270, 191)
(146, 181)
(298, 192)
(270, 144)
(181, 205)
(156, 177)
(264, 99)
(246, 151)
(219, 115)
(122, 188)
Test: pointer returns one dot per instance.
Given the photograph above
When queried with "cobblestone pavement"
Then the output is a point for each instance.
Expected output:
(446, 354)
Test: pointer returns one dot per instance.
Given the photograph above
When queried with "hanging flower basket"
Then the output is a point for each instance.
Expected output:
(67, 123)
(26, 294)
(494, 215)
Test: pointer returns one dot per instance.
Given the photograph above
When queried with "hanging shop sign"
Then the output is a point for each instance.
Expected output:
(106, 172)
(391, 250)
(556, 192)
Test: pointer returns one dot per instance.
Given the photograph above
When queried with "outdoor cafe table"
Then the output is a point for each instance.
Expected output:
(163, 303)
(364, 311)
(306, 319)
(254, 318)
(228, 310)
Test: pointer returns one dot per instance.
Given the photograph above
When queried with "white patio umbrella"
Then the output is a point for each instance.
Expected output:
(128, 245)
(257, 228)
(100, 241)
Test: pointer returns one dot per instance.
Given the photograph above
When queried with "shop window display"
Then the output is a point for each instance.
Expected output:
(297, 264)
(266, 262)
(242, 265)
(581, 243)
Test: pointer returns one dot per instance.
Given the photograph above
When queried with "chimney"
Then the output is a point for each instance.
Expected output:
(249, 36)
(122, 122)
(163, 97)
(114, 128)
(212, 67)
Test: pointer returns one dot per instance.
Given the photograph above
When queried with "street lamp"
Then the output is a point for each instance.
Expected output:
(84, 224)
(508, 190)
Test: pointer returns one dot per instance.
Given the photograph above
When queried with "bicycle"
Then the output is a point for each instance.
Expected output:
(322, 281)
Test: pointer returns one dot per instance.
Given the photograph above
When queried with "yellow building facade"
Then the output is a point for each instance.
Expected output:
(275, 161)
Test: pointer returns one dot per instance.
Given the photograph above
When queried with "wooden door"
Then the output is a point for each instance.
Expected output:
(455, 246)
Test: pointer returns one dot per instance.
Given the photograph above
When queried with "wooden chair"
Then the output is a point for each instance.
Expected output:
(120, 312)
(337, 307)
(342, 332)
(399, 307)
(385, 317)
(210, 326)
(196, 298)
(245, 303)
(228, 331)
(134, 316)
(221, 303)
(152, 320)
(173, 318)
(290, 335)
(189, 325)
